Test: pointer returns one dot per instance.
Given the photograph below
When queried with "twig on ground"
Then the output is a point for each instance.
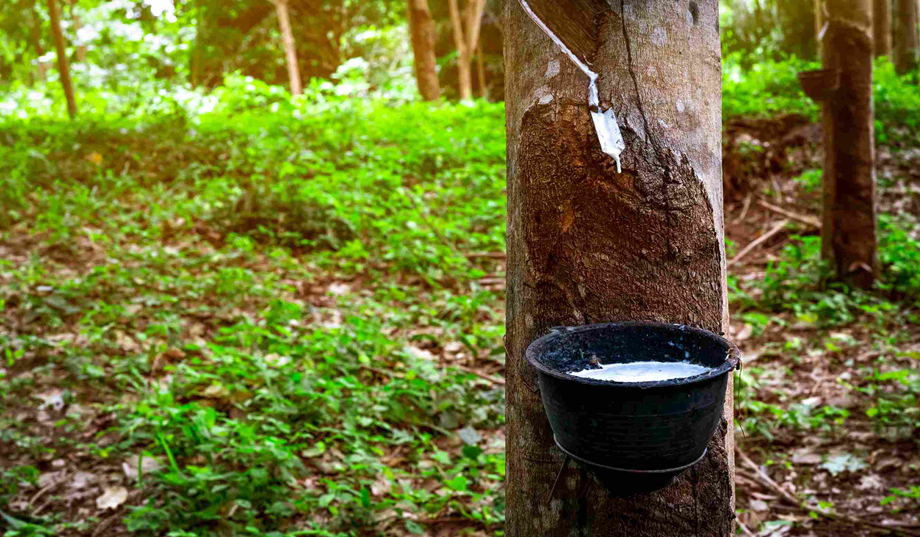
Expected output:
(744, 210)
(47, 487)
(493, 380)
(764, 479)
(789, 214)
(760, 240)
(744, 528)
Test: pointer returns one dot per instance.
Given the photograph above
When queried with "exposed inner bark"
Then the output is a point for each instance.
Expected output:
(587, 245)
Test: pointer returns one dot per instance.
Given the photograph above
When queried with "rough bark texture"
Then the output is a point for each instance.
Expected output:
(586, 244)
(422, 32)
(290, 52)
(61, 48)
(849, 232)
(906, 39)
(881, 28)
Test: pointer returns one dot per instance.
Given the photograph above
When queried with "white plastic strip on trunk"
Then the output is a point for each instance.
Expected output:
(605, 121)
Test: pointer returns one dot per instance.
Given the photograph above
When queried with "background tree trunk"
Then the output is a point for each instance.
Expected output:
(35, 34)
(290, 52)
(466, 40)
(906, 39)
(848, 232)
(881, 28)
(422, 32)
(481, 73)
(63, 67)
(587, 245)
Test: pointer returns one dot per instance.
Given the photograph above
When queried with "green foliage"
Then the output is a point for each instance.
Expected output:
(769, 87)
(810, 180)
(897, 106)
(221, 215)
(759, 418)
(767, 28)
(896, 399)
(800, 282)
(765, 89)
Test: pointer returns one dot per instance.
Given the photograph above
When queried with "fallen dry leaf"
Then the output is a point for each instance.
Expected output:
(112, 498)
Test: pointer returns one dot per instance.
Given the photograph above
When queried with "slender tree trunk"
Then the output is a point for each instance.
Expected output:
(907, 39)
(81, 49)
(481, 73)
(35, 33)
(881, 28)
(587, 244)
(290, 52)
(849, 225)
(422, 32)
(466, 40)
(63, 68)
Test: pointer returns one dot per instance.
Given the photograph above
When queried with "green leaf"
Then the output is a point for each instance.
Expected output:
(458, 483)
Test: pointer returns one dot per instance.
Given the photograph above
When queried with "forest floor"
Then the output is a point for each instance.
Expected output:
(296, 330)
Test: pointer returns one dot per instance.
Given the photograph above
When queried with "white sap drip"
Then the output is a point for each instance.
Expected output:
(605, 122)
(643, 371)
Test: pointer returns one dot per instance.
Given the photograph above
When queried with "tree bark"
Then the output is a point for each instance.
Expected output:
(290, 52)
(881, 28)
(422, 32)
(481, 73)
(465, 40)
(849, 222)
(63, 67)
(907, 39)
(586, 244)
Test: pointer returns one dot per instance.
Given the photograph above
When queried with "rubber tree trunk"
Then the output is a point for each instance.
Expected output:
(881, 28)
(290, 52)
(587, 244)
(422, 32)
(63, 67)
(849, 221)
(906, 39)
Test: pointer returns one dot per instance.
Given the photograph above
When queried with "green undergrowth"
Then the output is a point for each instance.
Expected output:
(801, 283)
(276, 303)
(770, 88)
(271, 306)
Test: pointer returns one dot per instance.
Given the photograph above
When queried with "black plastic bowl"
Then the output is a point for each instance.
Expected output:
(638, 427)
